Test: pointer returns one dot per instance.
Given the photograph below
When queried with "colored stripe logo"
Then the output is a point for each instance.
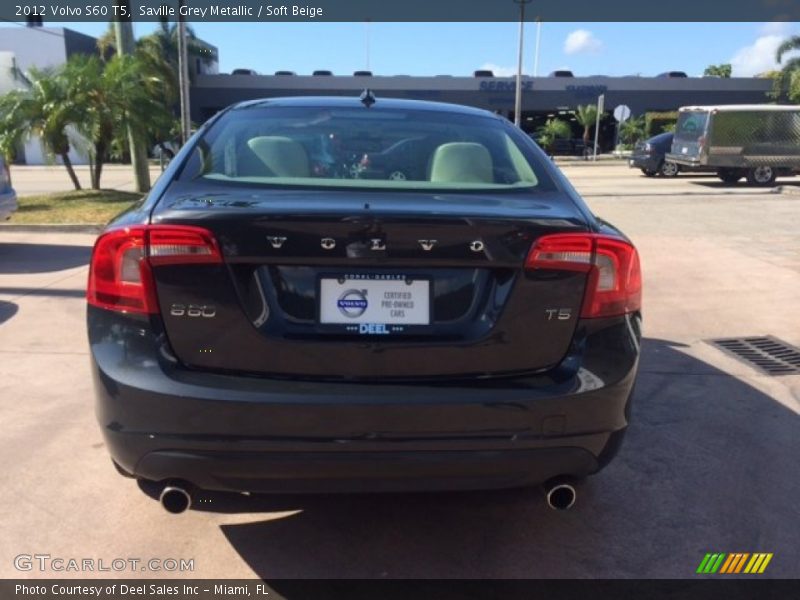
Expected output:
(734, 563)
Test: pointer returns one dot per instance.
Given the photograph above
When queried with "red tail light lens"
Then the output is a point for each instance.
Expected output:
(120, 276)
(614, 285)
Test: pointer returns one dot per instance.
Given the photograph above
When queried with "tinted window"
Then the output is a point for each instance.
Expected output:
(365, 148)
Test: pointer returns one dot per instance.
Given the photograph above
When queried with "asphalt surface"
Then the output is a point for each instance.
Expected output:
(710, 463)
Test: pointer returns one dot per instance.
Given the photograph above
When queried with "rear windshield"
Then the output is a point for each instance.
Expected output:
(364, 148)
(691, 125)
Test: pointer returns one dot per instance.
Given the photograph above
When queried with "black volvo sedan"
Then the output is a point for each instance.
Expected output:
(278, 315)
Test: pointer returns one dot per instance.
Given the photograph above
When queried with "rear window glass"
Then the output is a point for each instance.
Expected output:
(691, 125)
(364, 148)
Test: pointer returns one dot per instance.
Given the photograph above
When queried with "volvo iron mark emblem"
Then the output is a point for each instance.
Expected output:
(352, 303)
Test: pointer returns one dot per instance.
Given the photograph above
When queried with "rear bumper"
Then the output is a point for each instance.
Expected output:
(226, 432)
(644, 161)
(685, 160)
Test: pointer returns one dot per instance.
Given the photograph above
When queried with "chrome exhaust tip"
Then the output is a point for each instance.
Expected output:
(561, 496)
(175, 499)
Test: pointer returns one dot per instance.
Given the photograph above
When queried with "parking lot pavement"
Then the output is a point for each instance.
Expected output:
(709, 463)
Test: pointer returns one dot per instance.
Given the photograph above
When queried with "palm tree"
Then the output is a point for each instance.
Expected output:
(586, 117)
(41, 111)
(632, 130)
(108, 98)
(158, 53)
(551, 131)
(786, 80)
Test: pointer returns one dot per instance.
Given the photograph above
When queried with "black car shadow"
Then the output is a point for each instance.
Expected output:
(742, 184)
(18, 258)
(709, 464)
(7, 310)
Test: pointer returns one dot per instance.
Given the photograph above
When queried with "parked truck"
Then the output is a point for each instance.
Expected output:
(757, 141)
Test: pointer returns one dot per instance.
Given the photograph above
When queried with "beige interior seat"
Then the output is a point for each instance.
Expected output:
(462, 162)
(284, 157)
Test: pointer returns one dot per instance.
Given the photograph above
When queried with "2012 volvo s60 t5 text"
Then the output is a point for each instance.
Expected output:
(284, 314)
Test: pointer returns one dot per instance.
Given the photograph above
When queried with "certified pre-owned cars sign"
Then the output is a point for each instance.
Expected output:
(398, 301)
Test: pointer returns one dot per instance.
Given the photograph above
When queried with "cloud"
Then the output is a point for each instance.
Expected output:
(582, 40)
(774, 28)
(498, 70)
(758, 57)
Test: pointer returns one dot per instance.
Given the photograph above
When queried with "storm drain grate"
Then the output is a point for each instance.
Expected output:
(767, 354)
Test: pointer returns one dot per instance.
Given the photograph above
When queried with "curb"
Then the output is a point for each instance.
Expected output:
(55, 228)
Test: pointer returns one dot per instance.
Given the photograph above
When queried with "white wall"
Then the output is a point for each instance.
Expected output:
(39, 47)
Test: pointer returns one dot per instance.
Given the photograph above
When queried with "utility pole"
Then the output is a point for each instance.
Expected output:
(183, 79)
(123, 32)
(518, 95)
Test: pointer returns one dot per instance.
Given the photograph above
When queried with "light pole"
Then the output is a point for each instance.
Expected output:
(366, 41)
(518, 97)
(536, 52)
(183, 79)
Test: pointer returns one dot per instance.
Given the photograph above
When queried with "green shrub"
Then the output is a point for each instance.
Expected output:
(659, 122)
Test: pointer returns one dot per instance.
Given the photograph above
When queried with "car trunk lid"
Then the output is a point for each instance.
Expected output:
(449, 267)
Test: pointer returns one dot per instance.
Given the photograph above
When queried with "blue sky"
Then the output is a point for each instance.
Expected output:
(459, 48)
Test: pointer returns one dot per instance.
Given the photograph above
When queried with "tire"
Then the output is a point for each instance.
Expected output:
(669, 169)
(729, 175)
(648, 173)
(761, 176)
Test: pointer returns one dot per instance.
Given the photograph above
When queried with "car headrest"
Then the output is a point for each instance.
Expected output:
(462, 162)
(284, 157)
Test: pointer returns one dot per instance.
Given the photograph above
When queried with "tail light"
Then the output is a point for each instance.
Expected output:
(120, 276)
(614, 285)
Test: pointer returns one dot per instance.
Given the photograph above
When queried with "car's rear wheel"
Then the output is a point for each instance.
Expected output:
(762, 175)
(669, 169)
(729, 175)
(648, 173)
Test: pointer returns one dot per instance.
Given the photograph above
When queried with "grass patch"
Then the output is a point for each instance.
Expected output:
(78, 206)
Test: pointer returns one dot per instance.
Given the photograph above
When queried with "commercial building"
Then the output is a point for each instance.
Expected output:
(542, 97)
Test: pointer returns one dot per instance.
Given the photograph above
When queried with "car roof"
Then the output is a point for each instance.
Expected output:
(662, 135)
(354, 102)
(735, 107)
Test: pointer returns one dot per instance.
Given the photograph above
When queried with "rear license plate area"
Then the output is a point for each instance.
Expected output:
(373, 303)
